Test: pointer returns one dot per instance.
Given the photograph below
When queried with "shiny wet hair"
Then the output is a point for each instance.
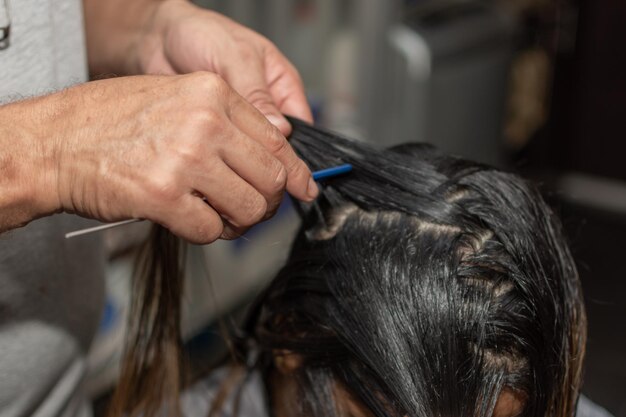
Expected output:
(423, 283)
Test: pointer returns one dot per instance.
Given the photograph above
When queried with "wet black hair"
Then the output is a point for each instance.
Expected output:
(422, 283)
(425, 284)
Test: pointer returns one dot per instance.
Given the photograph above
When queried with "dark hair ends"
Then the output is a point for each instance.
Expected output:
(150, 378)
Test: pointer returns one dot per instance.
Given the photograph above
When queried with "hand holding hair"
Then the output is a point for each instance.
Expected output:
(148, 147)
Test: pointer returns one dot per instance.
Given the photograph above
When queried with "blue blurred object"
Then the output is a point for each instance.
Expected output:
(331, 172)
(109, 316)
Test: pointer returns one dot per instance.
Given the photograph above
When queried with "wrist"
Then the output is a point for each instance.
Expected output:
(149, 49)
(146, 39)
(115, 37)
(28, 171)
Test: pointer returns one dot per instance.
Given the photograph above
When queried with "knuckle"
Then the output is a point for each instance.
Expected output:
(280, 178)
(216, 84)
(189, 156)
(259, 97)
(164, 187)
(202, 122)
(276, 143)
(204, 78)
(255, 211)
(298, 170)
(187, 151)
(209, 83)
(210, 122)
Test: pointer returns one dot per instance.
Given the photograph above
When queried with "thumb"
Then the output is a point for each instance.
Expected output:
(251, 84)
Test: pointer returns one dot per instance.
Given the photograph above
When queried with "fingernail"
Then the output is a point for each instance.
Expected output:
(312, 191)
(280, 122)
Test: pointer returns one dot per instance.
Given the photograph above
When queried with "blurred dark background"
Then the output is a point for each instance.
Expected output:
(580, 152)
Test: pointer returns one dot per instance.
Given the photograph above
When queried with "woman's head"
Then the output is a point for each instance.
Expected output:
(419, 285)
(424, 285)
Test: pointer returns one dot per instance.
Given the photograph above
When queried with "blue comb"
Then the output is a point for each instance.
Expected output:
(324, 174)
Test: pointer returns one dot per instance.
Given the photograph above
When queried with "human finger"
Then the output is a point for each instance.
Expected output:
(258, 167)
(231, 196)
(251, 84)
(300, 183)
(193, 220)
(286, 86)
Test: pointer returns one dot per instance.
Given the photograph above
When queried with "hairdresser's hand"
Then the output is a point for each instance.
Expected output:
(150, 147)
(177, 37)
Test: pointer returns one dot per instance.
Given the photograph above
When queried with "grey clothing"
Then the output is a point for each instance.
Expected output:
(197, 400)
(51, 289)
(47, 50)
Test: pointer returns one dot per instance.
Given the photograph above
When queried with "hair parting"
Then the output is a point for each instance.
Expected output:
(420, 284)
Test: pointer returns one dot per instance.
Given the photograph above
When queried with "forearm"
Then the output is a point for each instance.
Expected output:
(27, 167)
(113, 29)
